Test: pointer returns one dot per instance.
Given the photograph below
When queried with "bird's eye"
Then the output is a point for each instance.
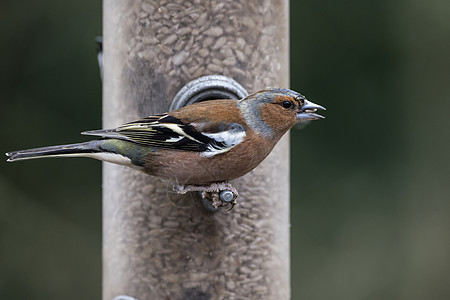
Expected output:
(286, 104)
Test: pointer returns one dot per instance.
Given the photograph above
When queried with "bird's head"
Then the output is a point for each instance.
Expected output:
(279, 110)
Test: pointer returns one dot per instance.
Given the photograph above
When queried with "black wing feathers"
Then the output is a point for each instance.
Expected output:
(166, 131)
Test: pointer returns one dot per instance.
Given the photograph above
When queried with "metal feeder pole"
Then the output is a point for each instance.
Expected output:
(157, 244)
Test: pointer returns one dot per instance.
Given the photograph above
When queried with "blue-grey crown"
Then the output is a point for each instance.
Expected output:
(268, 94)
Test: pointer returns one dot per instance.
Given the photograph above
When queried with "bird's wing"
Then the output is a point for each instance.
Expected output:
(169, 132)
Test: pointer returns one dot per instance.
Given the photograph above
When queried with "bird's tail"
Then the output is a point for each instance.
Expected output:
(88, 149)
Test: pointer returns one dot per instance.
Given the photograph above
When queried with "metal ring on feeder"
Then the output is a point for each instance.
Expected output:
(124, 297)
(208, 87)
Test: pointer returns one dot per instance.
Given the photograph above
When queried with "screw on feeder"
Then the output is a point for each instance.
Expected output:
(211, 87)
(226, 196)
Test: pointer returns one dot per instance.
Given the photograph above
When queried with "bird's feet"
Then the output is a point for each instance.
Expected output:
(218, 194)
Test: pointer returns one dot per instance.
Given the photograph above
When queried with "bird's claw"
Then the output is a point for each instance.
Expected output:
(218, 201)
(221, 194)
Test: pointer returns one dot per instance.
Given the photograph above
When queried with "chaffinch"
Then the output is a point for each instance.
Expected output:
(199, 146)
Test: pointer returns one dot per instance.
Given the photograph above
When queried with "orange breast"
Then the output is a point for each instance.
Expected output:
(186, 167)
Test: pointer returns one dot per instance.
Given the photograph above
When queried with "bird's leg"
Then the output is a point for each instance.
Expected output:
(220, 194)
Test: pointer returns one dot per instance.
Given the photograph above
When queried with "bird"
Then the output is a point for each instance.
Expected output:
(199, 147)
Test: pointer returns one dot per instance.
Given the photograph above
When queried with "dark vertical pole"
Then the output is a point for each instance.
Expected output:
(153, 247)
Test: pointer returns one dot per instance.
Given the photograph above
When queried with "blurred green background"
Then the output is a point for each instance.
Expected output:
(370, 184)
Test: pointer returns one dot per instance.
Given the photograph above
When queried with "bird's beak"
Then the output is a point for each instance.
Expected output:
(307, 111)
